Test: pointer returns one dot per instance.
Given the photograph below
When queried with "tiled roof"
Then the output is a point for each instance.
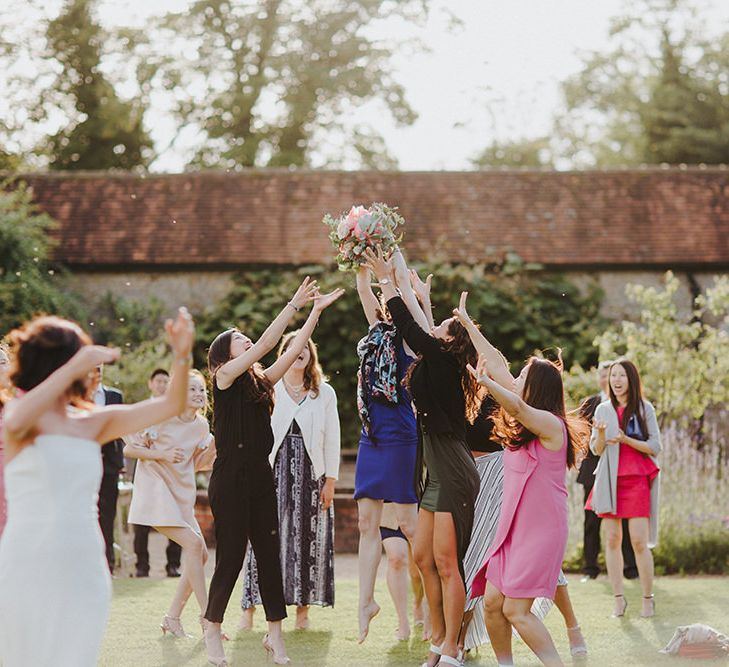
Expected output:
(652, 217)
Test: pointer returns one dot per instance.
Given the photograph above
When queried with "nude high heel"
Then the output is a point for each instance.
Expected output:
(271, 653)
(173, 626)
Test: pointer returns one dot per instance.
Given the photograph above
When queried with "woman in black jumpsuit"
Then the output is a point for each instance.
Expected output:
(242, 492)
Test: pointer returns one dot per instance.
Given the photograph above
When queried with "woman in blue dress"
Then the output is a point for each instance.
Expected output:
(385, 469)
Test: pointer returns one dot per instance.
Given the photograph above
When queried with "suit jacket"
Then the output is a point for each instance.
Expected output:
(586, 474)
(112, 453)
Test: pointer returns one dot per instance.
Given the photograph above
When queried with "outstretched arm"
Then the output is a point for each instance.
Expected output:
(402, 279)
(230, 371)
(422, 291)
(22, 414)
(498, 367)
(277, 370)
(367, 297)
(116, 421)
(545, 425)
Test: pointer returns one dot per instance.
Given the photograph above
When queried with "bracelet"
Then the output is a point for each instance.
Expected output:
(293, 306)
(186, 360)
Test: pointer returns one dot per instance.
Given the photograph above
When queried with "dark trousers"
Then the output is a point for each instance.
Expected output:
(141, 549)
(108, 494)
(244, 508)
(592, 544)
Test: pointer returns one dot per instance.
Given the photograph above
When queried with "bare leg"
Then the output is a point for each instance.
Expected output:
(246, 619)
(194, 555)
(275, 641)
(532, 630)
(420, 604)
(497, 625)
(370, 552)
(425, 560)
(614, 562)
(445, 552)
(639, 529)
(302, 618)
(396, 550)
(578, 645)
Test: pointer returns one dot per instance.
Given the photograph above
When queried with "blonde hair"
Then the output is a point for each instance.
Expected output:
(194, 373)
(313, 374)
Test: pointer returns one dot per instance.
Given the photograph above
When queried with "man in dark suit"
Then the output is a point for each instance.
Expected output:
(586, 477)
(112, 455)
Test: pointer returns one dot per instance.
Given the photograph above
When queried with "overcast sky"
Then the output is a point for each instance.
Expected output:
(496, 76)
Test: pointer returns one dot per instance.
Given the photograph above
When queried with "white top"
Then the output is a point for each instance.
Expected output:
(318, 420)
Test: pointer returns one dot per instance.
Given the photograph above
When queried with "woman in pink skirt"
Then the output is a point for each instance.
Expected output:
(525, 559)
(626, 437)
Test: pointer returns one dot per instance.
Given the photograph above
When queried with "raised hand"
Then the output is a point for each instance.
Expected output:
(181, 333)
(481, 372)
(306, 292)
(460, 313)
(376, 262)
(91, 356)
(323, 301)
(421, 289)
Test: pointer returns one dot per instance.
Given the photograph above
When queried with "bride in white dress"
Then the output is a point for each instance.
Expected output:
(55, 587)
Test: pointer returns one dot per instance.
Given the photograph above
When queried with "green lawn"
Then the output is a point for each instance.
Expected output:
(134, 638)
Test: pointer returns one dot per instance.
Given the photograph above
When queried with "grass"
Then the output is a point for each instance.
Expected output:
(133, 636)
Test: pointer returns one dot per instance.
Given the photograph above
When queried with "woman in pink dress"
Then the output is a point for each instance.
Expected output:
(525, 558)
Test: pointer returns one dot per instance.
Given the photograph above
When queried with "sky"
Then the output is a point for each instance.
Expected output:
(496, 76)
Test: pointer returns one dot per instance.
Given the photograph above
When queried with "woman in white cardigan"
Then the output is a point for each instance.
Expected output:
(626, 437)
(305, 462)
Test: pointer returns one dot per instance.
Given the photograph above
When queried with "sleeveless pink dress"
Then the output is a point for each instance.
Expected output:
(526, 556)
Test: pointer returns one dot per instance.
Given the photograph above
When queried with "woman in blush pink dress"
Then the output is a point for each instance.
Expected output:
(525, 558)
(164, 492)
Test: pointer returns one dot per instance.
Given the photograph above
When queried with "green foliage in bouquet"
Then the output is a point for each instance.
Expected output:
(362, 228)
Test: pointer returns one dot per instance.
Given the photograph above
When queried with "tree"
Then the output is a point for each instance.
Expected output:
(518, 153)
(683, 358)
(276, 82)
(659, 96)
(28, 281)
(104, 131)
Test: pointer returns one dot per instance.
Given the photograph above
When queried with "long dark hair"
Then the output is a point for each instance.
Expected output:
(634, 405)
(461, 347)
(40, 347)
(257, 388)
(543, 390)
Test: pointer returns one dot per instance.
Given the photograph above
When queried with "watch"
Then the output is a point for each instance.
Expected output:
(385, 281)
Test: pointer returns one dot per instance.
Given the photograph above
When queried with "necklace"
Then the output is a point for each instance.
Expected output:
(294, 389)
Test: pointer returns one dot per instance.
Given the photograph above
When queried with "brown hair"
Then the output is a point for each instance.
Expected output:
(40, 347)
(634, 405)
(313, 374)
(461, 347)
(543, 390)
(4, 397)
(257, 388)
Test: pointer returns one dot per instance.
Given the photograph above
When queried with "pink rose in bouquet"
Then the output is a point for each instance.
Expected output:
(363, 228)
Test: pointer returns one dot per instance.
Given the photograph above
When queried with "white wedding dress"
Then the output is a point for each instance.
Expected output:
(55, 588)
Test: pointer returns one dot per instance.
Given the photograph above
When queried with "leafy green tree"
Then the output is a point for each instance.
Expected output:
(658, 96)
(517, 153)
(28, 280)
(274, 83)
(683, 357)
(103, 131)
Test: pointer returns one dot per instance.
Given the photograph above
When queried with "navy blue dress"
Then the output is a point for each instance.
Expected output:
(385, 468)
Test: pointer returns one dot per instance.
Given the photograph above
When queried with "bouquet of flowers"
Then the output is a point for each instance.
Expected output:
(363, 228)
